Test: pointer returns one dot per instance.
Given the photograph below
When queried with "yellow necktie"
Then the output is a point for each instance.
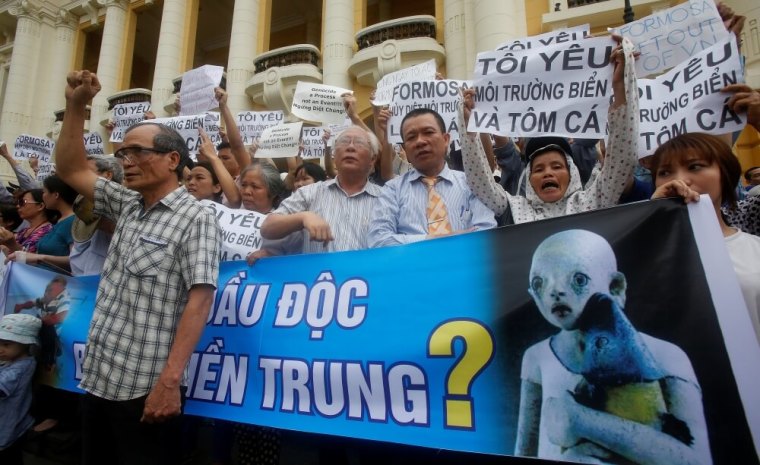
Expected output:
(437, 216)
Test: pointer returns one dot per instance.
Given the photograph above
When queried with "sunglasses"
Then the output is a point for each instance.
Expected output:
(23, 202)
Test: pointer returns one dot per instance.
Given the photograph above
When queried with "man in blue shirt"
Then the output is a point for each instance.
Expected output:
(430, 200)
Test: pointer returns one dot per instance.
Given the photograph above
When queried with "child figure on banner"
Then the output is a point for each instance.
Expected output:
(18, 333)
(599, 391)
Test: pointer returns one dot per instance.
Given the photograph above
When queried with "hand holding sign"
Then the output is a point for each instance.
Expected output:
(206, 150)
(746, 100)
(81, 87)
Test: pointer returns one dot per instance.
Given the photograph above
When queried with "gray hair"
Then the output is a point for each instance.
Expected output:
(275, 186)
(111, 165)
(374, 142)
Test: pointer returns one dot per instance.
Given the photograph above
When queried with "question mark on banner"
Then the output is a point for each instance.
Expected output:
(477, 353)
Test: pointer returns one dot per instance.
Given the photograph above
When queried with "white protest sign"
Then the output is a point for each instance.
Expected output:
(44, 169)
(126, 115)
(187, 127)
(561, 90)
(688, 99)
(197, 92)
(27, 147)
(93, 144)
(313, 145)
(441, 96)
(280, 141)
(671, 36)
(421, 72)
(240, 230)
(252, 123)
(336, 129)
(317, 102)
(559, 36)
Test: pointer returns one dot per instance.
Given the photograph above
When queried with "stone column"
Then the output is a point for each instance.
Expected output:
(243, 41)
(455, 40)
(496, 21)
(338, 34)
(169, 59)
(110, 60)
(60, 64)
(17, 107)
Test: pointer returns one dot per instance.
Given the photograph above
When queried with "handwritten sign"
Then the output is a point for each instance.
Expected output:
(674, 35)
(317, 102)
(27, 147)
(421, 72)
(561, 90)
(688, 98)
(197, 92)
(252, 123)
(280, 141)
(126, 115)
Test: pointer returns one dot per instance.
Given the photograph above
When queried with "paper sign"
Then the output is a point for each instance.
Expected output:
(688, 98)
(187, 127)
(317, 102)
(561, 90)
(674, 35)
(27, 147)
(197, 92)
(559, 36)
(441, 96)
(126, 115)
(252, 123)
(240, 230)
(421, 72)
(44, 169)
(313, 144)
(93, 144)
(280, 141)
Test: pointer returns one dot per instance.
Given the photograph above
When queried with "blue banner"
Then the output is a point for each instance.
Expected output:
(447, 342)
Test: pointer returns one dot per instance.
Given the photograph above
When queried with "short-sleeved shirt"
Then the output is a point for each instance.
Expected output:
(16, 398)
(348, 216)
(155, 257)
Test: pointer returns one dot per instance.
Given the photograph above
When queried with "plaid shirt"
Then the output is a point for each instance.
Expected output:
(155, 257)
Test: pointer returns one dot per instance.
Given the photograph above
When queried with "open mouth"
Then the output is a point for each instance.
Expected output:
(561, 310)
(549, 185)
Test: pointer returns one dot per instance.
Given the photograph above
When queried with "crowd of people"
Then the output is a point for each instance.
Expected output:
(135, 219)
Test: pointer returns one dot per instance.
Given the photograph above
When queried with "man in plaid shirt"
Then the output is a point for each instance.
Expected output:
(155, 291)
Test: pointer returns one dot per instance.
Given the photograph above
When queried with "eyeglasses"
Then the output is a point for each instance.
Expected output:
(136, 153)
(356, 140)
(22, 202)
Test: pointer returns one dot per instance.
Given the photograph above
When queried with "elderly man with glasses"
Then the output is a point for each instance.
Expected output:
(330, 215)
(155, 291)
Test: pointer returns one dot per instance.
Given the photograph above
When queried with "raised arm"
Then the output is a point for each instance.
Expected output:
(387, 154)
(70, 154)
(229, 188)
(233, 133)
(25, 181)
(474, 159)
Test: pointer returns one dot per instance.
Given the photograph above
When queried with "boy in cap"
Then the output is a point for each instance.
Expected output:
(18, 333)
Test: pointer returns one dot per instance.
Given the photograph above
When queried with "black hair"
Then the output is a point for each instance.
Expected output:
(51, 215)
(214, 178)
(11, 216)
(223, 145)
(748, 173)
(314, 171)
(55, 185)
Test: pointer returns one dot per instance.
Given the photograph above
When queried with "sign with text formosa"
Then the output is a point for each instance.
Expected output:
(562, 89)
(27, 147)
(555, 339)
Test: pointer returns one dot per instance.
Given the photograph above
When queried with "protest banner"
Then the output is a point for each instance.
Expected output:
(336, 129)
(688, 98)
(561, 90)
(197, 92)
(384, 90)
(240, 230)
(442, 96)
(252, 123)
(27, 147)
(671, 36)
(439, 361)
(318, 102)
(126, 115)
(313, 144)
(44, 169)
(93, 144)
(187, 127)
(280, 141)
(559, 36)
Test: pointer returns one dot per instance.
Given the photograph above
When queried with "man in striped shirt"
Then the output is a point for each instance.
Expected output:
(331, 215)
(404, 215)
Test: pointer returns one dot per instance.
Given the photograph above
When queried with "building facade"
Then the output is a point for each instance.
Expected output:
(140, 48)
